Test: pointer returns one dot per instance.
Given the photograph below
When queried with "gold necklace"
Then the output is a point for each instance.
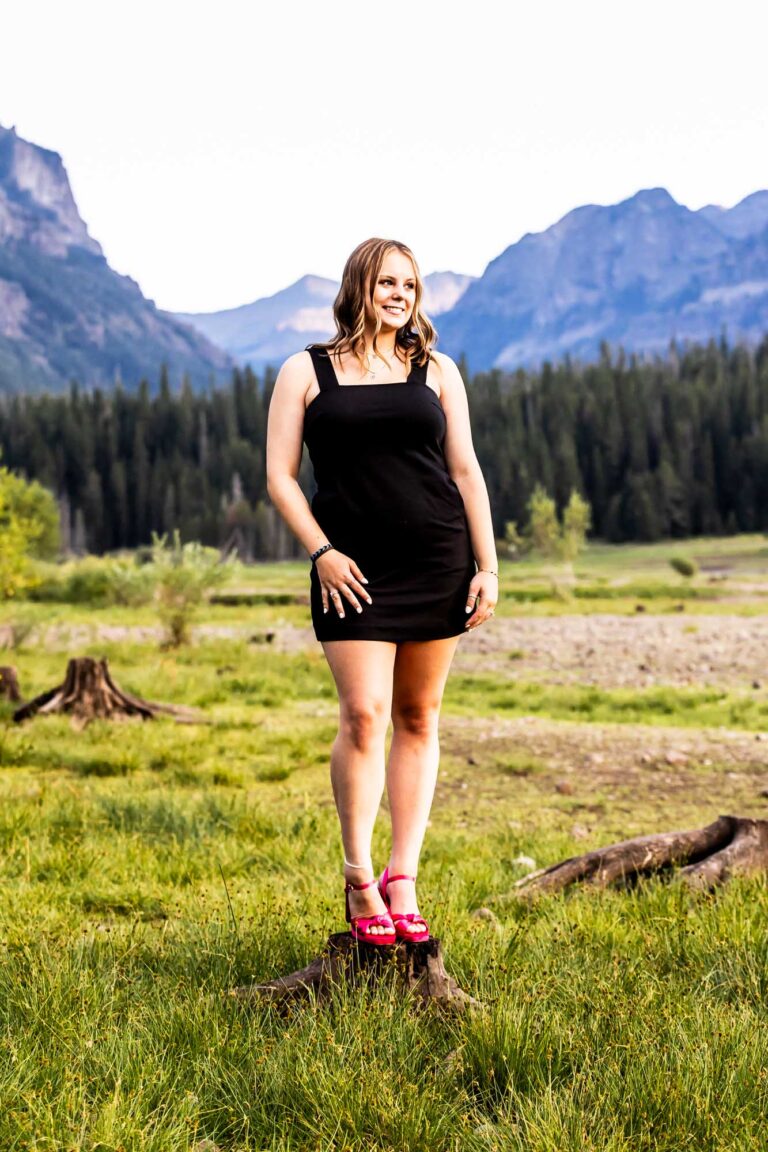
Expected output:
(370, 360)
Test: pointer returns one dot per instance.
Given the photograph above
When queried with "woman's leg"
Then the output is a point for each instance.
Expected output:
(362, 670)
(420, 673)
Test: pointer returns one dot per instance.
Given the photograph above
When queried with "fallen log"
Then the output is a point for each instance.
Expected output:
(417, 968)
(90, 693)
(705, 857)
(9, 684)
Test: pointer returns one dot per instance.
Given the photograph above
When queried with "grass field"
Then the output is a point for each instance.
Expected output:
(150, 868)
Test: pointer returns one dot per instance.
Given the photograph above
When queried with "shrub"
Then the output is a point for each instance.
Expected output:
(131, 583)
(684, 567)
(25, 531)
(184, 574)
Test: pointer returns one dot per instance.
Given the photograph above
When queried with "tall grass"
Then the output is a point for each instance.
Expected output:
(148, 869)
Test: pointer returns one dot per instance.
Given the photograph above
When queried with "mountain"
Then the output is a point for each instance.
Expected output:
(745, 219)
(268, 330)
(635, 274)
(64, 313)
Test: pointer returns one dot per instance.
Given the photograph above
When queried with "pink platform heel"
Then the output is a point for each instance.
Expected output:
(360, 926)
(401, 919)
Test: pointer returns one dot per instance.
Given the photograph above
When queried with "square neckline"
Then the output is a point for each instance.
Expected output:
(361, 383)
(328, 380)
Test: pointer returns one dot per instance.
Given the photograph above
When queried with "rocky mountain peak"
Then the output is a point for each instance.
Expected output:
(36, 202)
(64, 313)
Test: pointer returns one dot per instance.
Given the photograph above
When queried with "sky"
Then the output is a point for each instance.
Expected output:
(219, 151)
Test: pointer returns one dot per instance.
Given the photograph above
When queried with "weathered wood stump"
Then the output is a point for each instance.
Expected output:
(90, 693)
(9, 684)
(705, 857)
(417, 967)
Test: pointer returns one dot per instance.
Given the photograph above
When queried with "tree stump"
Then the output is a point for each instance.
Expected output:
(9, 684)
(705, 857)
(418, 968)
(90, 693)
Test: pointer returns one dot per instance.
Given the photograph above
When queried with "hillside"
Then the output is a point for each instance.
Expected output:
(64, 313)
(637, 274)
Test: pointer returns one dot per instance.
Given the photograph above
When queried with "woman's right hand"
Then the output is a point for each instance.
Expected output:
(340, 580)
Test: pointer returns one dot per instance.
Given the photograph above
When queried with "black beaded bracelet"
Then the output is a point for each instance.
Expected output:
(319, 552)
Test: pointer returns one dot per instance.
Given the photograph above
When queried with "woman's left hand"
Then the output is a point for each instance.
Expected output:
(482, 597)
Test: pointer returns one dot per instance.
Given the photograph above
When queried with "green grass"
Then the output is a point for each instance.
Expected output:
(665, 705)
(149, 868)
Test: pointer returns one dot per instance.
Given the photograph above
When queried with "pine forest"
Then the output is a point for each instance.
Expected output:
(667, 447)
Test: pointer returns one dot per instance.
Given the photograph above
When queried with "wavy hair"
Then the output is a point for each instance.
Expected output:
(358, 281)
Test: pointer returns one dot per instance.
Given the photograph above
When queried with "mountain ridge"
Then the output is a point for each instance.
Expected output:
(266, 331)
(637, 274)
(64, 313)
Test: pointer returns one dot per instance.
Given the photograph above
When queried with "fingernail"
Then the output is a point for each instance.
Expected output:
(363, 580)
(325, 611)
(468, 608)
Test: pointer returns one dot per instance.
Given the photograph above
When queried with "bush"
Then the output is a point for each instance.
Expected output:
(95, 580)
(131, 582)
(28, 527)
(184, 574)
(684, 567)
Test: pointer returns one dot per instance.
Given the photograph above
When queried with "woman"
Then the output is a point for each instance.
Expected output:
(402, 548)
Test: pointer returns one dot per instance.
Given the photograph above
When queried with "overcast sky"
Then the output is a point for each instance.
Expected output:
(218, 151)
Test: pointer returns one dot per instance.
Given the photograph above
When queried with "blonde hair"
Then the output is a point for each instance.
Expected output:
(358, 281)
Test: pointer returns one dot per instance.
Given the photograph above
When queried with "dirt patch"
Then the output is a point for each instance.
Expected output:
(589, 776)
(601, 650)
(622, 651)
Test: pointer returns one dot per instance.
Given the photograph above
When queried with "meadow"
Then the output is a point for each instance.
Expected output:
(150, 868)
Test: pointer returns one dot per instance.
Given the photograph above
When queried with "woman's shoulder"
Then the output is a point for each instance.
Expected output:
(445, 369)
(296, 375)
(441, 359)
(296, 365)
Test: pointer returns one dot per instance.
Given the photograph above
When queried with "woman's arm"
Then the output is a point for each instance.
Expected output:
(285, 433)
(465, 471)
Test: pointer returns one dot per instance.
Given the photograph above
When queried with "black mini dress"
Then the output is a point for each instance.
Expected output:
(386, 499)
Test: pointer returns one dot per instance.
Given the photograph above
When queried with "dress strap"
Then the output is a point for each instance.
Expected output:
(321, 362)
(418, 373)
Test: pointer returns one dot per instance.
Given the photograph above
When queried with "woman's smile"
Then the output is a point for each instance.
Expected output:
(394, 293)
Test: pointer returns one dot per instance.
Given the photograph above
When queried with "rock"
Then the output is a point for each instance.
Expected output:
(525, 862)
(564, 787)
(676, 758)
(580, 832)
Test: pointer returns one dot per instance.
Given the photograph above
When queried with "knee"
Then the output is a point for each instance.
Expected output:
(417, 718)
(364, 723)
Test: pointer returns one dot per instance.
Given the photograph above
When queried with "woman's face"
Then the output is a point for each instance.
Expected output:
(394, 293)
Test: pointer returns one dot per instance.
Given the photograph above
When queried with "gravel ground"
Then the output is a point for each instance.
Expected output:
(623, 651)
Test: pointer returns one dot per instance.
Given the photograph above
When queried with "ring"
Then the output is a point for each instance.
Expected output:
(334, 593)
